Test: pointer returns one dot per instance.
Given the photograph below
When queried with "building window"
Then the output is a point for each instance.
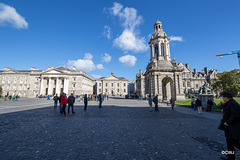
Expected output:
(196, 85)
(99, 84)
(118, 90)
(118, 84)
(183, 84)
(106, 84)
(124, 84)
(188, 84)
(9, 81)
(106, 90)
(74, 78)
(55, 82)
(112, 84)
(74, 85)
(100, 90)
(124, 90)
(162, 50)
(156, 51)
(62, 82)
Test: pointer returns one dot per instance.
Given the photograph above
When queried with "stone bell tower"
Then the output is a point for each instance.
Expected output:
(159, 44)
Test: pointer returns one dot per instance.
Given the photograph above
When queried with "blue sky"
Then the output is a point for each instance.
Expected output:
(100, 37)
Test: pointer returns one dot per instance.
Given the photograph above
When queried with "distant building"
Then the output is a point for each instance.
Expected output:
(33, 82)
(112, 85)
(131, 87)
(166, 77)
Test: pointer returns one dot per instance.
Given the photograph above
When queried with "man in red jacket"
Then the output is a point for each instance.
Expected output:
(64, 101)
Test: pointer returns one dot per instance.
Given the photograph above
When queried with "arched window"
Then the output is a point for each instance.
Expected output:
(162, 50)
(156, 51)
(188, 84)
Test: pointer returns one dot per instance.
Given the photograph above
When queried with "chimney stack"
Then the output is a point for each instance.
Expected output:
(140, 71)
(206, 70)
(187, 65)
(33, 68)
(195, 71)
(112, 73)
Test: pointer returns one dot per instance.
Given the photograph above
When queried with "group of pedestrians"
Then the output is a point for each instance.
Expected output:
(155, 101)
(64, 100)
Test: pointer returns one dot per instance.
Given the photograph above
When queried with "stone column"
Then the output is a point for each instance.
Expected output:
(49, 86)
(159, 49)
(151, 54)
(153, 51)
(41, 87)
(160, 94)
(57, 87)
(65, 89)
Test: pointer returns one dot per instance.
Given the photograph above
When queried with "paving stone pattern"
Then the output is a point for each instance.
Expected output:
(122, 129)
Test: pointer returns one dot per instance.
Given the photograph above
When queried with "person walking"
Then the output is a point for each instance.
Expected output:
(193, 100)
(60, 103)
(155, 101)
(199, 106)
(231, 121)
(85, 102)
(150, 102)
(56, 99)
(64, 101)
(172, 101)
(71, 101)
(100, 98)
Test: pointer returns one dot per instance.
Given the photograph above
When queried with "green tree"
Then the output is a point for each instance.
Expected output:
(228, 81)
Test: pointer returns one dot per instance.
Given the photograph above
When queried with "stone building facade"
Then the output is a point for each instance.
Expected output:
(166, 77)
(33, 82)
(112, 86)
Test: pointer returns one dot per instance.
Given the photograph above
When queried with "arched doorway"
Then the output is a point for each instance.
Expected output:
(167, 88)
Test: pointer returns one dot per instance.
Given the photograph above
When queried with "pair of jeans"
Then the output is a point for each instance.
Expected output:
(60, 107)
(55, 104)
(70, 105)
(63, 109)
(100, 104)
(156, 107)
(194, 106)
(150, 105)
(231, 144)
(85, 106)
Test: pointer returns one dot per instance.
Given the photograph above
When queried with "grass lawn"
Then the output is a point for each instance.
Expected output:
(187, 102)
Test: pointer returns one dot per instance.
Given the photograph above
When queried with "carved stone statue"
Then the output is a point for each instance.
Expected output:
(205, 89)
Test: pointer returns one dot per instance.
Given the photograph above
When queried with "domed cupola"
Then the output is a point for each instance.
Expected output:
(159, 43)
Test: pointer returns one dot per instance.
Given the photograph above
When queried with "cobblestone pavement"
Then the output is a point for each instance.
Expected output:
(122, 129)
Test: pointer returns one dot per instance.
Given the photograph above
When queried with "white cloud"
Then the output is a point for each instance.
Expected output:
(128, 60)
(106, 58)
(107, 32)
(99, 66)
(129, 40)
(86, 64)
(9, 16)
(95, 76)
(88, 56)
(176, 38)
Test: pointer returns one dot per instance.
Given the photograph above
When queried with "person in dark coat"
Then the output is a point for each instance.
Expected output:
(71, 101)
(199, 106)
(209, 105)
(172, 101)
(100, 98)
(60, 103)
(231, 119)
(85, 102)
(56, 99)
(155, 101)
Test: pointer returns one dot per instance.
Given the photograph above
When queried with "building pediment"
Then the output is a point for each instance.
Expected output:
(112, 77)
(53, 71)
